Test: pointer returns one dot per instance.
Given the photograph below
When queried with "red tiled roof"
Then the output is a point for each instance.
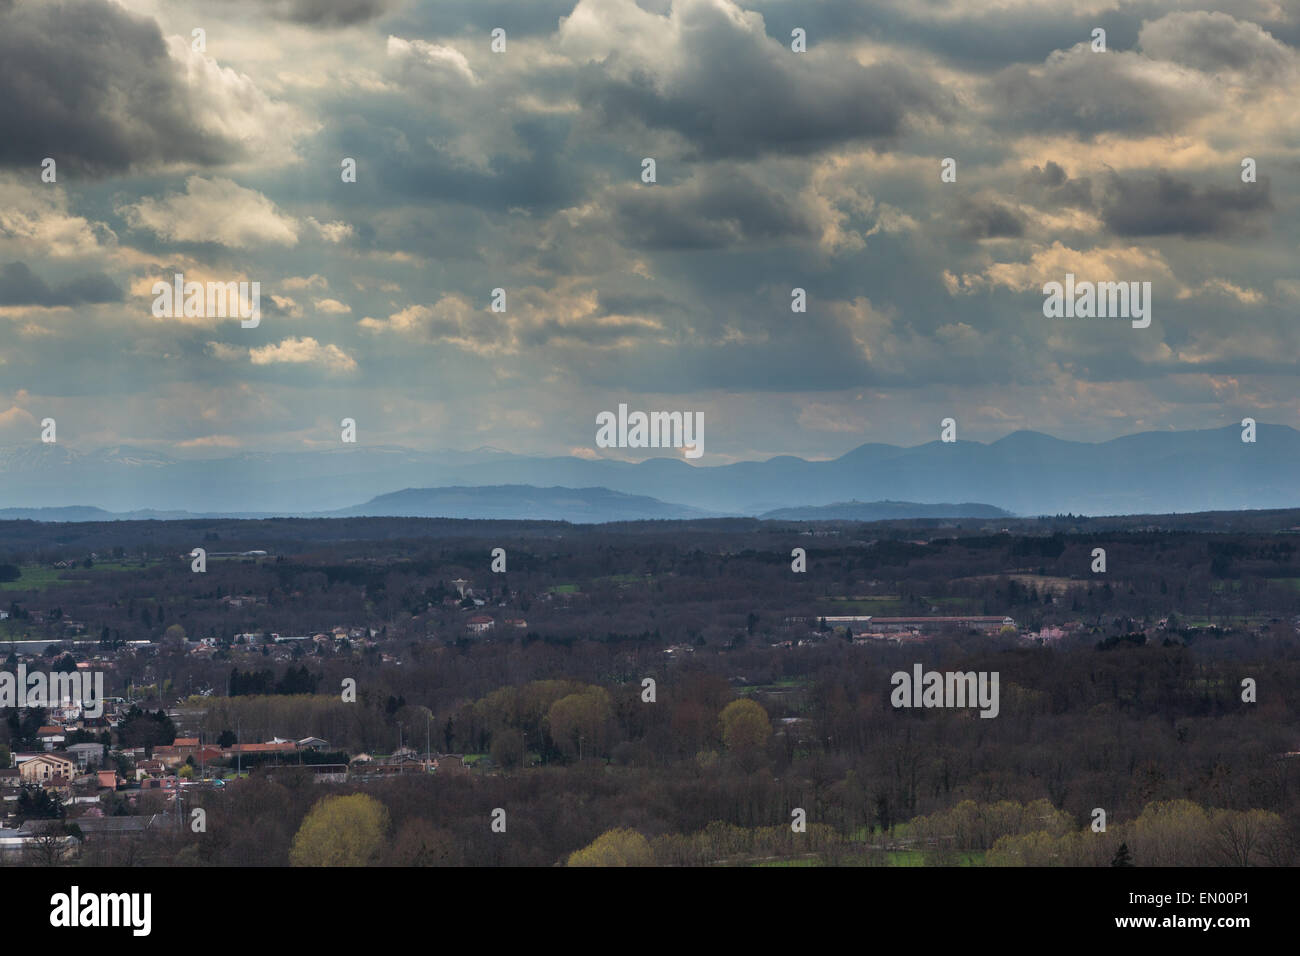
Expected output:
(262, 748)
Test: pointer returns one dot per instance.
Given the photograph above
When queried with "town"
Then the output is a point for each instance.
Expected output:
(386, 659)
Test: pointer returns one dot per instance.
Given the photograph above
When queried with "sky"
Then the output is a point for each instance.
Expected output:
(219, 155)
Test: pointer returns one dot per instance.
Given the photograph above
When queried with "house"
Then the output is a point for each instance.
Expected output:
(397, 764)
(984, 623)
(10, 779)
(86, 755)
(108, 779)
(313, 743)
(207, 754)
(319, 772)
(283, 746)
(102, 827)
(168, 756)
(480, 624)
(46, 767)
(449, 763)
(149, 768)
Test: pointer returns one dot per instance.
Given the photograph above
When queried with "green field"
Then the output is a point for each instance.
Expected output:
(778, 687)
(917, 858)
(625, 579)
(36, 578)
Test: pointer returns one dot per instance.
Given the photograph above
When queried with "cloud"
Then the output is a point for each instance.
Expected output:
(20, 286)
(720, 207)
(18, 424)
(1053, 184)
(988, 219)
(226, 353)
(334, 232)
(303, 351)
(1086, 93)
(98, 89)
(439, 62)
(332, 306)
(1215, 42)
(214, 210)
(332, 13)
(1224, 289)
(452, 320)
(314, 282)
(38, 221)
(1101, 264)
(681, 71)
(1164, 205)
(228, 107)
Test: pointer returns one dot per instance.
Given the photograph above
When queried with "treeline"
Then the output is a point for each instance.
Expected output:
(285, 818)
(294, 680)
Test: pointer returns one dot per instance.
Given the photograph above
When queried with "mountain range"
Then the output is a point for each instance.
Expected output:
(1025, 473)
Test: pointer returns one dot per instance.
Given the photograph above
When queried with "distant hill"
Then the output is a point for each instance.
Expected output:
(69, 513)
(74, 513)
(884, 511)
(1026, 473)
(520, 502)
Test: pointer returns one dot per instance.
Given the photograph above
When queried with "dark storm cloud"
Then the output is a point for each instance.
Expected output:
(92, 86)
(519, 18)
(1216, 41)
(784, 114)
(334, 13)
(794, 104)
(988, 219)
(1163, 205)
(541, 179)
(1054, 185)
(719, 207)
(324, 14)
(1015, 35)
(1088, 93)
(20, 286)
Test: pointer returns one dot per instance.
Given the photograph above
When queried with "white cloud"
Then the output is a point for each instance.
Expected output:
(330, 231)
(304, 351)
(442, 61)
(214, 210)
(230, 106)
(37, 220)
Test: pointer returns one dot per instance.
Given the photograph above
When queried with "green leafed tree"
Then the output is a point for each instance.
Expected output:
(622, 847)
(745, 726)
(341, 831)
